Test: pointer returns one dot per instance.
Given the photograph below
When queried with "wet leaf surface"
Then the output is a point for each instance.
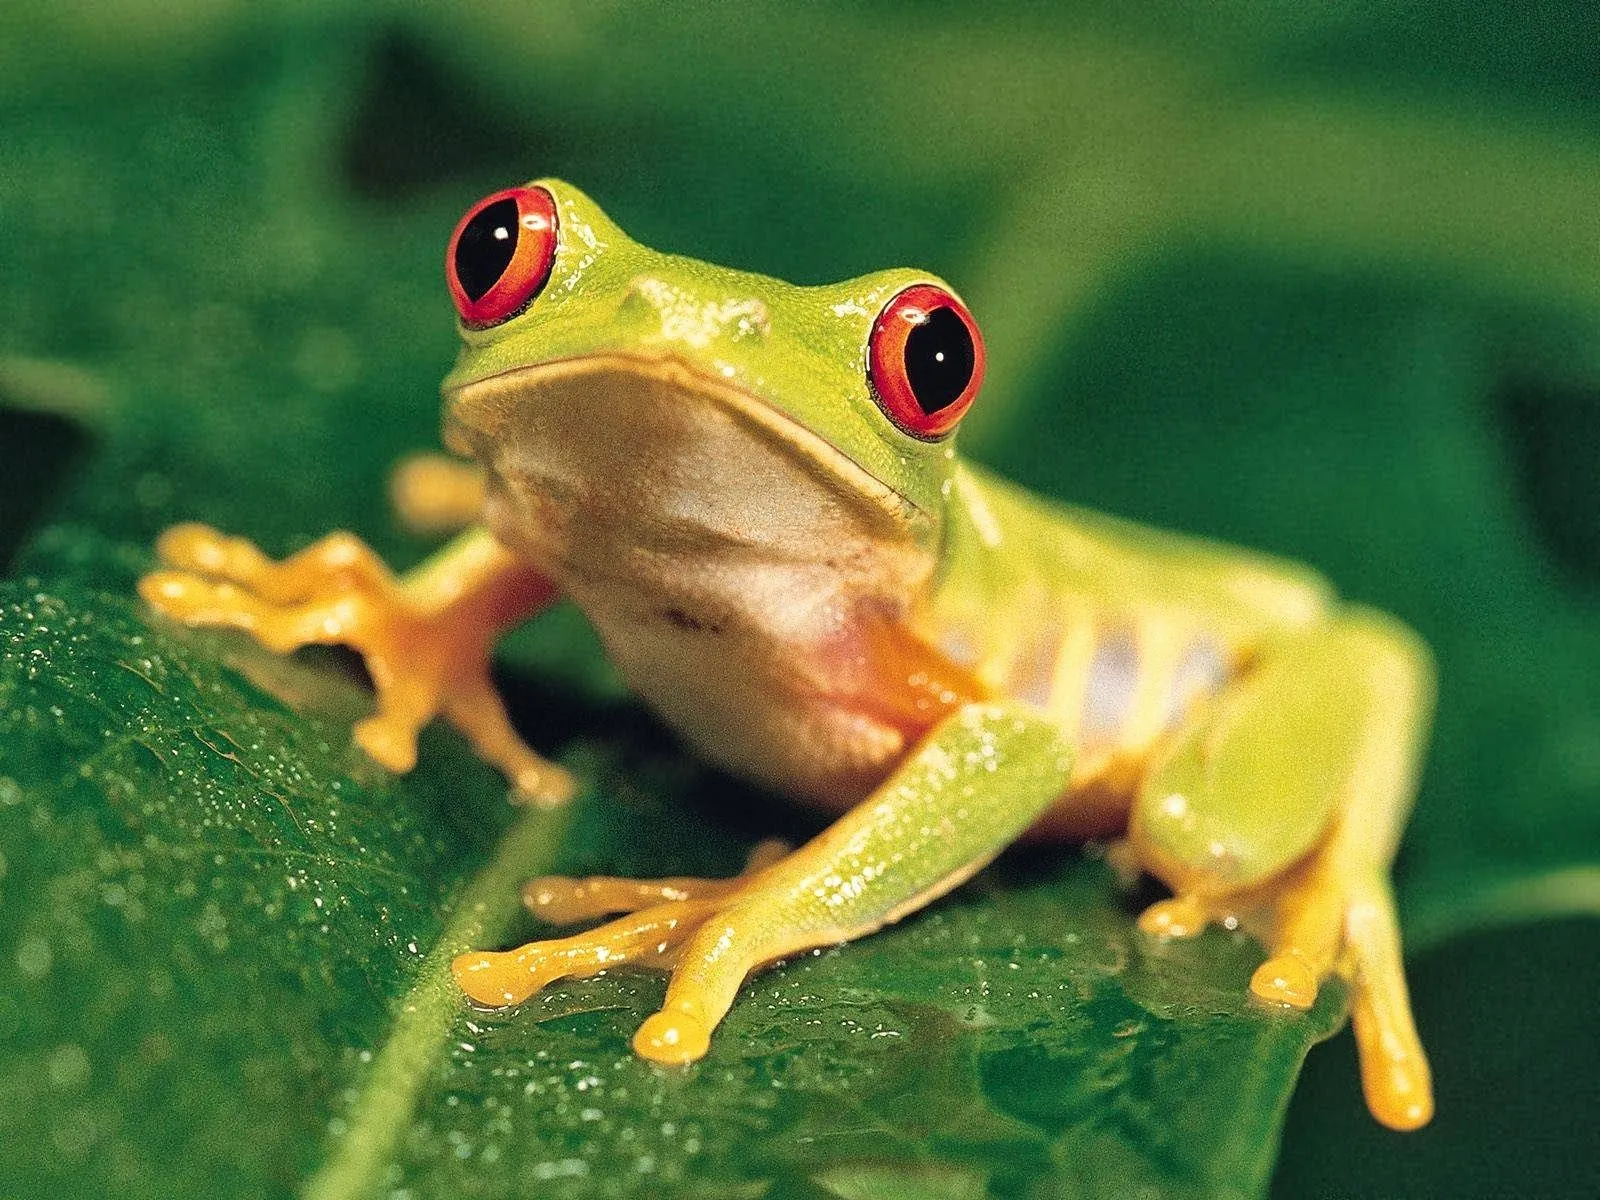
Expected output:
(222, 933)
(215, 912)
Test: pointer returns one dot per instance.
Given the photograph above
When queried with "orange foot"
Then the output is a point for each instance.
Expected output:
(663, 917)
(1330, 919)
(426, 638)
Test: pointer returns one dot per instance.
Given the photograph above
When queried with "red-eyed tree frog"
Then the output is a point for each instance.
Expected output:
(751, 489)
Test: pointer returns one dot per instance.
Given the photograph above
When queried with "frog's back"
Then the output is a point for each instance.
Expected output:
(1113, 629)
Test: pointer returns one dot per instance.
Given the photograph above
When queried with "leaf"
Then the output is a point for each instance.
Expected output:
(217, 914)
(248, 282)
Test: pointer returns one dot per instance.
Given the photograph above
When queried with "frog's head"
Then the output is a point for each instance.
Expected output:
(596, 365)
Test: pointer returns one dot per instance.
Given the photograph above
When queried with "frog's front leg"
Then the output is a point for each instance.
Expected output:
(426, 636)
(565, 901)
(1286, 796)
(975, 782)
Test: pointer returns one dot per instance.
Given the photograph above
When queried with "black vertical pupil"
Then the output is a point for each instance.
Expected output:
(939, 359)
(485, 247)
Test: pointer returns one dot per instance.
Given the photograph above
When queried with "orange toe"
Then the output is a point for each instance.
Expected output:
(1286, 979)
(672, 1038)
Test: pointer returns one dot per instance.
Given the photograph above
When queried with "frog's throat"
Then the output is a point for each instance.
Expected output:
(479, 412)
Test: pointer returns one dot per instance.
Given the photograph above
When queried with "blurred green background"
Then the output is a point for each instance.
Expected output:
(1324, 280)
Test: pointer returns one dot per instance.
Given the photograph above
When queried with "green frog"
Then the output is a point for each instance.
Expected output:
(752, 490)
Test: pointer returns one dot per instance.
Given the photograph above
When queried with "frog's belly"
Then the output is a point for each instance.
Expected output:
(745, 711)
(747, 708)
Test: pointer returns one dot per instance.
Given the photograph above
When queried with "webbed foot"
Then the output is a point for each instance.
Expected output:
(664, 914)
(426, 658)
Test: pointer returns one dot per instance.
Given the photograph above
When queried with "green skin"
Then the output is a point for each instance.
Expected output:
(1280, 796)
(696, 456)
(809, 363)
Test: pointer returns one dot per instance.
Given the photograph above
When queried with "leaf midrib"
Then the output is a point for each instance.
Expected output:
(385, 1099)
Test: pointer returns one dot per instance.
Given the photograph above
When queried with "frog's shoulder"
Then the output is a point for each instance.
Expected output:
(1110, 562)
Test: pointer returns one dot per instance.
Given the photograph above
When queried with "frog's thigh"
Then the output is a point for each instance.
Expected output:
(1291, 790)
(979, 779)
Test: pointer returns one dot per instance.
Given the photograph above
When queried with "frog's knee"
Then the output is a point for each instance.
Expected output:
(1189, 847)
(1382, 639)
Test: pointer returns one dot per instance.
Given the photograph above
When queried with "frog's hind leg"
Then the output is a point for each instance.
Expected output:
(1286, 797)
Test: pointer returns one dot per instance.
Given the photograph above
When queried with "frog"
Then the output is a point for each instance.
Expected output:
(751, 490)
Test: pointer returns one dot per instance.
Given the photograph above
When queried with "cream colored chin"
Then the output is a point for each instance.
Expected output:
(650, 447)
(718, 549)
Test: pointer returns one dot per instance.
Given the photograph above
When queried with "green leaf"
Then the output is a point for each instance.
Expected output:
(215, 913)
(222, 933)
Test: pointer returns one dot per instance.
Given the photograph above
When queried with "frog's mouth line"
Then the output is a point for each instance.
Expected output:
(476, 407)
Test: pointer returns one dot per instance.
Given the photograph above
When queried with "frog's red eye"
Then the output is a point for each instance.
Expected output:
(500, 254)
(925, 361)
